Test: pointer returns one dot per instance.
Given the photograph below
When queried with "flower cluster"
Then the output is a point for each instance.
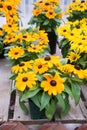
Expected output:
(9, 10)
(77, 10)
(46, 14)
(48, 81)
(27, 44)
(73, 44)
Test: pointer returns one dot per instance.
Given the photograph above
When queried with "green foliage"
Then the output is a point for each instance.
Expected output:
(77, 15)
(64, 46)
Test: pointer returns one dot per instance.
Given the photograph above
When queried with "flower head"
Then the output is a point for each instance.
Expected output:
(24, 80)
(53, 84)
(15, 52)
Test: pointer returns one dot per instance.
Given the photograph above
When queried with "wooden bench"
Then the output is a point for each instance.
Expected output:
(12, 112)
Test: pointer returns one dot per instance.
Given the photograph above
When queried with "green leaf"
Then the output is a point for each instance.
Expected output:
(61, 101)
(10, 63)
(76, 92)
(68, 90)
(37, 99)
(13, 76)
(29, 93)
(46, 22)
(44, 100)
(40, 78)
(63, 61)
(23, 107)
(67, 107)
(63, 42)
(50, 109)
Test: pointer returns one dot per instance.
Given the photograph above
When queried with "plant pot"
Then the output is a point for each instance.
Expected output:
(2, 51)
(52, 41)
(35, 112)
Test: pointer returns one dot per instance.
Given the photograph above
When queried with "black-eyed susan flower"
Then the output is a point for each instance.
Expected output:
(22, 67)
(36, 12)
(15, 52)
(1, 6)
(50, 60)
(82, 74)
(9, 8)
(50, 14)
(73, 56)
(25, 80)
(53, 84)
(40, 67)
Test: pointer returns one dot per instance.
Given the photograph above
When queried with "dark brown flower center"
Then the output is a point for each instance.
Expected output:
(40, 1)
(47, 58)
(46, 3)
(9, 25)
(39, 66)
(64, 30)
(24, 79)
(0, 29)
(77, 67)
(53, 83)
(82, 1)
(81, 6)
(21, 64)
(24, 36)
(9, 7)
(34, 48)
(73, 1)
(11, 16)
(83, 38)
(71, 34)
(50, 13)
(1, 6)
(16, 53)
(74, 57)
(77, 26)
(79, 43)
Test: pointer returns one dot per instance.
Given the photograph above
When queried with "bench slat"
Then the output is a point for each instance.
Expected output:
(5, 86)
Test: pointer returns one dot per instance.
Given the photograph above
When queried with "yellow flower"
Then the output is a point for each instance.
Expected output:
(53, 84)
(50, 14)
(67, 68)
(14, 2)
(22, 66)
(9, 28)
(15, 52)
(9, 38)
(73, 56)
(82, 74)
(11, 19)
(51, 60)
(36, 12)
(9, 8)
(25, 80)
(46, 6)
(35, 48)
(1, 6)
(1, 32)
(40, 67)
(63, 30)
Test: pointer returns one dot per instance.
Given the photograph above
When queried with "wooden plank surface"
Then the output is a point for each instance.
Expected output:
(84, 92)
(77, 114)
(5, 86)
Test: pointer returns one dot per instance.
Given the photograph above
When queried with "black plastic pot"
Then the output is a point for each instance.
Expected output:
(35, 112)
(52, 41)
